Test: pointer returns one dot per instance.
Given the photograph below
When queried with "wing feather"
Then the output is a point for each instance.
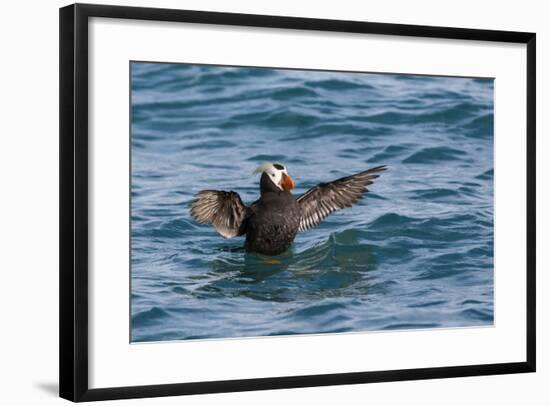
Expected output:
(224, 210)
(325, 198)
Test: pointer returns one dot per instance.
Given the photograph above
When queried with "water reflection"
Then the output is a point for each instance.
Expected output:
(330, 268)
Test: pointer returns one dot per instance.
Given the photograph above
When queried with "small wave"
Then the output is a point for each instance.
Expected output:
(328, 129)
(207, 165)
(434, 154)
(487, 175)
(477, 314)
(218, 75)
(482, 126)
(176, 228)
(381, 288)
(277, 119)
(390, 117)
(208, 145)
(445, 266)
(336, 84)
(457, 113)
(149, 317)
(290, 118)
(266, 158)
(292, 93)
(373, 195)
(180, 291)
(431, 232)
(146, 136)
(434, 194)
(470, 302)
(389, 153)
(443, 94)
(243, 72)
(318, 309)
(391, 220)
(428, 304)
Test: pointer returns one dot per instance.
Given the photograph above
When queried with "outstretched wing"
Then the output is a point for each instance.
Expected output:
(224, 210)
(318, 202)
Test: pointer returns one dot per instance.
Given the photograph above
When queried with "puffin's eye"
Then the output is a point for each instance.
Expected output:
(273, 175)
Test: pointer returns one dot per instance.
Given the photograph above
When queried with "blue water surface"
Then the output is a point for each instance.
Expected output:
(416, 252)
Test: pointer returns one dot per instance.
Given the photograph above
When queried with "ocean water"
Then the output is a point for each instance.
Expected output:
(415, 253)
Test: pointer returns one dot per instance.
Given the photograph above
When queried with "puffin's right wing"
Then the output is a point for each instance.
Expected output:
(224, 210)
(321, 200)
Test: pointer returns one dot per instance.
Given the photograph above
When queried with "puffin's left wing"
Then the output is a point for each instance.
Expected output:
(318, 202)
(224, 210)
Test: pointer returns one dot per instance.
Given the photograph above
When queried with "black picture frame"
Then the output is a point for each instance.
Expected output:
(73, 254)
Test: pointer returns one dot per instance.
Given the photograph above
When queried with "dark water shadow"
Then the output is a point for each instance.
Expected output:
(333, 267)
(250, 266)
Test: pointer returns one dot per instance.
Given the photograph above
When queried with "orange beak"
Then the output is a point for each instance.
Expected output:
(286, 183)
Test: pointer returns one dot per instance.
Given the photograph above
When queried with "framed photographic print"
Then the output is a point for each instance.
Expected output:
(256, 202)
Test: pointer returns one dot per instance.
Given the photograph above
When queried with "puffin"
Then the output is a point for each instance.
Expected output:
(272, 222)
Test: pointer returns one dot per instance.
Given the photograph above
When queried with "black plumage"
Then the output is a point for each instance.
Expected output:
(272, 222)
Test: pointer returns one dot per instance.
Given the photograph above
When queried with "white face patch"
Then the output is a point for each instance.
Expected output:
(274, 171)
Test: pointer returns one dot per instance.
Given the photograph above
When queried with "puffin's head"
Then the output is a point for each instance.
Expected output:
(277, 174)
